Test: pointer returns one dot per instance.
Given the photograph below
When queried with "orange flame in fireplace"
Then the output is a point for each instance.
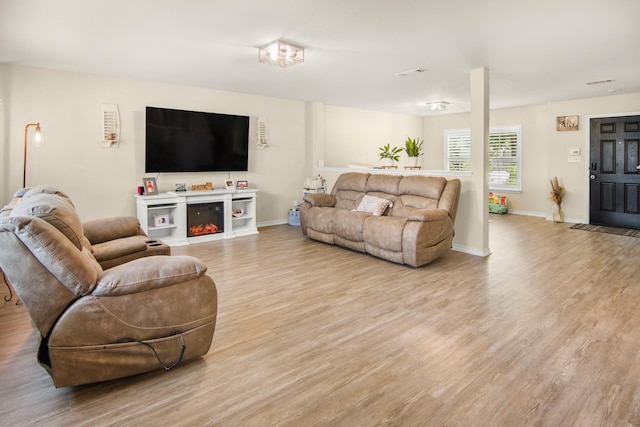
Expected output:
(199, 230)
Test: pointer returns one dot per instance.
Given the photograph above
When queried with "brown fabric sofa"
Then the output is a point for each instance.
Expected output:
(98, 324)
(415, 229)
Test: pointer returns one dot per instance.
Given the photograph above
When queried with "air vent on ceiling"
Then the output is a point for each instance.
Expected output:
(599, 82)
(405, 73)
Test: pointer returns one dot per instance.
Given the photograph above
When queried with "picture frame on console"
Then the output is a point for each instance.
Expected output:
(150, 186)
(242, 185)
(229, 185)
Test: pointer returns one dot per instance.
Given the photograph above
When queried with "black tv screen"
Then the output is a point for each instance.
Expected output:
(192, 141)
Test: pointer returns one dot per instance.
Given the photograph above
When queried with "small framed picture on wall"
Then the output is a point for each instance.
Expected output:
(150, 186)
(567, 123)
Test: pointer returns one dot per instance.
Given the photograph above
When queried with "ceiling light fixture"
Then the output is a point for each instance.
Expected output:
(438, 106)
(281, 53)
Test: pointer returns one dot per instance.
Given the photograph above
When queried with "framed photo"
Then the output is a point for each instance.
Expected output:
(181, 187)
(241, 185)
(161, 220)
(567, 123)
(150, 186)
(229, 184)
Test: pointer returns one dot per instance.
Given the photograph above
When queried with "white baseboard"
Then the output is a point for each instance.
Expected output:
(548, 217)
(275, 222)
(471, 251)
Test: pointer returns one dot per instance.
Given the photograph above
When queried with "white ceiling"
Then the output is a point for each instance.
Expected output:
(537, 51)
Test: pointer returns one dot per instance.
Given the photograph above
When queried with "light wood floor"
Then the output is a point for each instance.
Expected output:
(544, 332)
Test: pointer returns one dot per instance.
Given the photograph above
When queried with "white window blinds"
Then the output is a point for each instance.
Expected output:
(505, 155)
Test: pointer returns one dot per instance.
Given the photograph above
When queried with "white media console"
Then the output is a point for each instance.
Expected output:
(178, 218)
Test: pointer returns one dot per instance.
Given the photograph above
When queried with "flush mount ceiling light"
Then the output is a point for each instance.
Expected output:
(437, 106)
(281, 53)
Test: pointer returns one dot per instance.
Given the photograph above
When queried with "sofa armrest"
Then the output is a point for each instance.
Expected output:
(105, 229)
(320, 199)
(428, 215)
(148, 273)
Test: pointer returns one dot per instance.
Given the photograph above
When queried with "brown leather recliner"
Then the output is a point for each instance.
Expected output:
(112, 241)
(99, 324)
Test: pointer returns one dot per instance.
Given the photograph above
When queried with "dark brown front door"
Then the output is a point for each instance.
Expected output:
(614, 197)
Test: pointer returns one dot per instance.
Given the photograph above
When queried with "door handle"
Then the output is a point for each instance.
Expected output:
(594, 166)
(592, 176)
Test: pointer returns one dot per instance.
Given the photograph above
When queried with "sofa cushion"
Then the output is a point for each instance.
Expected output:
(107, 229)
(117, 248)
(348, 189)
(57, 211)
(43, 189)
(384, 232)
(373, 205)
(321, 219)
(424, 186)
(387, 184)
(349, 224)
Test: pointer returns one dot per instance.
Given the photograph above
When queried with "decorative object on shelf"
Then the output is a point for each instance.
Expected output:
(150, 186)
(161, 220)
(242, 185)
(389, 155)
(557, 196)
(202, 187)
(413, 167)
(181, 187)
(389, 167)
(567, 123)
(237, 212)
(229, 185)
(37, 139)
(110, 123)
(413, 148)
(281, 53)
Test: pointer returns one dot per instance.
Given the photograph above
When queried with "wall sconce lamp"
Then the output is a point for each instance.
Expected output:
(37, 138)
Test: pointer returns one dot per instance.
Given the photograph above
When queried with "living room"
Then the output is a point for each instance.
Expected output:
(265, 281)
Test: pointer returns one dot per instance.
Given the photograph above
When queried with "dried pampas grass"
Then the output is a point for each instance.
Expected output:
(557, 191)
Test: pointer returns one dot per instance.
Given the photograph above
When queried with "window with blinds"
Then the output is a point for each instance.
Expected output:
(505, 147)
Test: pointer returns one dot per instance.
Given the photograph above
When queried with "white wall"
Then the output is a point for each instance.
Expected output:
(102, 181)
(545, 150)
(354, 136)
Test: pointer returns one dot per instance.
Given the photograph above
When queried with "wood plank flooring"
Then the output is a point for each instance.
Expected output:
(544, 332)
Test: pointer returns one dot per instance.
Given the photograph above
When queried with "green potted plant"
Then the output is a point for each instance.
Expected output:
(413, 148)
(389, 154)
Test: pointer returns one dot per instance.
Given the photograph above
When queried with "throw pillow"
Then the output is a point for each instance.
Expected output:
(373, 205)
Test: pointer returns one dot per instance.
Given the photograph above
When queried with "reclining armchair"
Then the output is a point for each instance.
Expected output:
(112, 241)
(98, 324)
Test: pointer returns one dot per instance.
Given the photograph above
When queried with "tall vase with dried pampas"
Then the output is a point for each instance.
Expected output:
(557, 196)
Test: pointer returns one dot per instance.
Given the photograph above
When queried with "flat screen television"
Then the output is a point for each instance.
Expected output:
(192, 141)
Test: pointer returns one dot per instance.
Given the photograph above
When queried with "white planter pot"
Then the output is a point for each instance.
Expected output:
(413, 161)
(387, 162)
